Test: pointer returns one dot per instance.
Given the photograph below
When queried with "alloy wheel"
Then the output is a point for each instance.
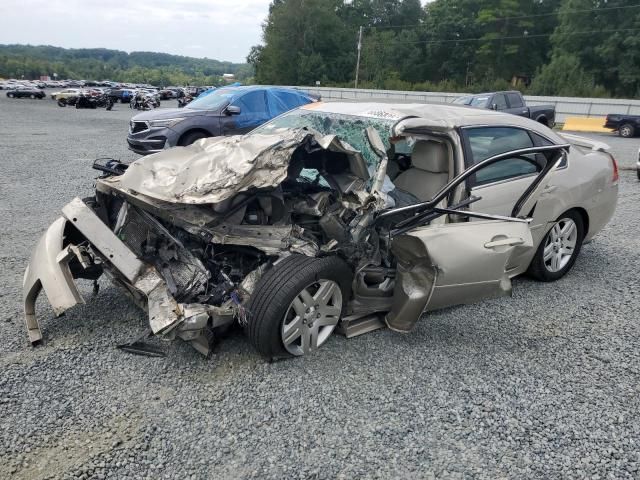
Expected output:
(311, 317)
(560, 245)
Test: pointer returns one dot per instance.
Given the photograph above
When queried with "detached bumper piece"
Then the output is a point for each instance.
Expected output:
(49, 270)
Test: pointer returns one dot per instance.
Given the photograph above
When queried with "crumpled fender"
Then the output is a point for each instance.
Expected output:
(48, 270)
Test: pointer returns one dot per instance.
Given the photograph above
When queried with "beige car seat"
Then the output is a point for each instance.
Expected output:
(429, 170)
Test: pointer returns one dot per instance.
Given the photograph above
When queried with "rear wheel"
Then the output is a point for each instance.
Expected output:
(627, 130)
(559, 249)
(297, 305)
(10, 95)
(32, 96)
(62, 102)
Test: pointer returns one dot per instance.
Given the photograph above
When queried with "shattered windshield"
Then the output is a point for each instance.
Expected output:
(350, 128)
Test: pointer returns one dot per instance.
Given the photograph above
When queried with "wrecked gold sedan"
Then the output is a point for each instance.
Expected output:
(333, 217)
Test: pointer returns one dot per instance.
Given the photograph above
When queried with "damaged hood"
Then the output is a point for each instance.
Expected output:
(214, 169)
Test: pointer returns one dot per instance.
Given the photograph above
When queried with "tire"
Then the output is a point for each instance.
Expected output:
(32, 96)
(62, 102)
(270, 307)
(556, 266)
(10, 95)
(191, 137)
(627, 130)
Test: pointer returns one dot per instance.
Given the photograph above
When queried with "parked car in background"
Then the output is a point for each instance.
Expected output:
(626, 125)
(510, 102)
(169, 93)
(227, 111)
(65, 94)
(26, 92)
(122, 95)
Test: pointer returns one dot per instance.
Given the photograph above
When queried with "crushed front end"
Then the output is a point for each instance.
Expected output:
(192, 263)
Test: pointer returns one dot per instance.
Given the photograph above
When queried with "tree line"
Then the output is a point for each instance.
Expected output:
(551, 47)
(31, 62)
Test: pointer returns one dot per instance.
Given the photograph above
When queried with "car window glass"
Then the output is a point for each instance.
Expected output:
(480, 102)
(542, 141)
(213, 101)
(253, 109)
(252, 103)
(280, 102)
(462, 100)
(500, 100)
(515, 100)
(348, 128)
(487, 142)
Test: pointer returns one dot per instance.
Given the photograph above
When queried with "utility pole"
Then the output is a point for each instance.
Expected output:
(358, 61)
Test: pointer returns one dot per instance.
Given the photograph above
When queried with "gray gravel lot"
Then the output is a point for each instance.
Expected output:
(541, 385)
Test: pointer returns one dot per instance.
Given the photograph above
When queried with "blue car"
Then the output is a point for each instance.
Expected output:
(225, 111)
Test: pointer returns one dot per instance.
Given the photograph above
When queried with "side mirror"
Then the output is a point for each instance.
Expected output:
(233, 110)
(494, 106)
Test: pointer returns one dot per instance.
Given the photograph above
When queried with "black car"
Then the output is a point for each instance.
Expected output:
(626, 125)
(510, 102)
(221, 112)
(26, 92)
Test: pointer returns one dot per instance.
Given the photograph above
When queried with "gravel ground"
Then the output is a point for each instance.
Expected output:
(541, 385)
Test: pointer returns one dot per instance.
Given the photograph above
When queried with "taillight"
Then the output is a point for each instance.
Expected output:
(616, 175)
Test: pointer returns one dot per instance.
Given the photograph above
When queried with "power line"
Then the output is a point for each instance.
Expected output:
(518, 37)
(537, 15)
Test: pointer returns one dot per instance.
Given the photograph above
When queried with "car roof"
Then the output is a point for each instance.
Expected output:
(438, 116)
(247, 88)
(485, 94)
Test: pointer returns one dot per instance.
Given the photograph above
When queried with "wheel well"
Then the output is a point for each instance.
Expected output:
(585, 218)
(189, 132)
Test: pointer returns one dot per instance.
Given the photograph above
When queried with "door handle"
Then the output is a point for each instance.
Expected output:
(549, 189)
(504, 242)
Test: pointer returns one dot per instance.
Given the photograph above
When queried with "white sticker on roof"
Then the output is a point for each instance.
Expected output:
(382, 114)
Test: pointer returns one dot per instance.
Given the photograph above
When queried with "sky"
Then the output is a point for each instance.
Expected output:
(219, 29)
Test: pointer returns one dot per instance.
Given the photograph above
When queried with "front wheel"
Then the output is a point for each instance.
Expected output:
(62, 102)
(10, 95)
(559, 249)
(189, 138)
(627, 130)
(297, 304)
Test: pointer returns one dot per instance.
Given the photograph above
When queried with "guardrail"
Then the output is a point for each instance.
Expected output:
(565, 106)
